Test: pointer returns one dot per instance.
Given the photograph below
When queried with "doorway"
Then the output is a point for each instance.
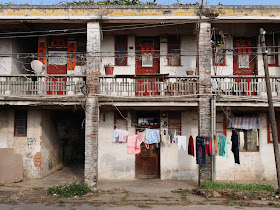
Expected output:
(244, 63)
(147, 63)
(147, 163)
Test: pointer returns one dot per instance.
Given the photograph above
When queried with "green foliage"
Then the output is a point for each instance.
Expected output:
(70, 190)
(255, 187)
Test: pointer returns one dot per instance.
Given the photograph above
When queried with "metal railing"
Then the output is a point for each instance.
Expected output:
(41, 85)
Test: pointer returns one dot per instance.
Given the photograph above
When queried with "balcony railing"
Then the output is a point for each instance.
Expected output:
(147, 85)
(134, 85)
(240, 85)
(41, 85)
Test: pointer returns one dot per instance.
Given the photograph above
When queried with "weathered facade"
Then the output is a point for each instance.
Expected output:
(134, 67)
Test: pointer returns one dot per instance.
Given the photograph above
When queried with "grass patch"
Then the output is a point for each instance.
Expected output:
(70, 190)
(277, 205)
(254, 187)
(183, 193)
(125, 197)
(2, 185)
(37, 188)
(61, 201)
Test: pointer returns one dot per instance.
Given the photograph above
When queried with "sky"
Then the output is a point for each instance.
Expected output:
(208, 2)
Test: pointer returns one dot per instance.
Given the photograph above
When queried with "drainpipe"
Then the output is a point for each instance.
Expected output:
(213, 131)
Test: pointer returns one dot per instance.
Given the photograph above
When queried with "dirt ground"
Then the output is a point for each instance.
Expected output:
(145, 193)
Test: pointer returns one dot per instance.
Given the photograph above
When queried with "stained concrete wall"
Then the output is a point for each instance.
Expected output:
(40, 149)
(253, 165)
(177, 164)
(6, 62)
(51, 145)
(10, 165)
(113, 161)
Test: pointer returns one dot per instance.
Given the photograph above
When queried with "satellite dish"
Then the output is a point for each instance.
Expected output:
(37, 66)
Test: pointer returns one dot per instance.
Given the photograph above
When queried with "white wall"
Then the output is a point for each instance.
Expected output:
(253, 165)
(108, 50)
(188, 62)
(177, 164)
(113, 160)
(6, 62)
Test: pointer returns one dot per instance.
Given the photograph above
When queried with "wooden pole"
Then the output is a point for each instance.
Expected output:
(271, 108)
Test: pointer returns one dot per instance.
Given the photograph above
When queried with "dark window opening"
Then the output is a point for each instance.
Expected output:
(121, 50)
(20, 128)
(174, 122)
(174, 51)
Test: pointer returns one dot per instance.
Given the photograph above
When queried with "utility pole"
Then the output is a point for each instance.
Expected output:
(271, 108)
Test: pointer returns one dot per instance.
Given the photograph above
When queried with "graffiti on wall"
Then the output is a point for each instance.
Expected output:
(31, 143)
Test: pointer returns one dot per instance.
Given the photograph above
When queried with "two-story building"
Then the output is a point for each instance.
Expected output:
(70, 75)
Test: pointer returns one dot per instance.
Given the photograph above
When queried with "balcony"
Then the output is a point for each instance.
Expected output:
(148, 85)
(41, 87)
(246, 86)
(133, 88)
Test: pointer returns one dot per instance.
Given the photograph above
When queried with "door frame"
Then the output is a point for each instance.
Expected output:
(138, 127)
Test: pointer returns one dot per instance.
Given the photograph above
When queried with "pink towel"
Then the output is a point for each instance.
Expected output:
(131, 145)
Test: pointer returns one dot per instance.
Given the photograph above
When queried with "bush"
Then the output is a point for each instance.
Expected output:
(70, 190)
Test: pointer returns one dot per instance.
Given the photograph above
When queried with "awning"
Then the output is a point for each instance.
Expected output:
(246, 123)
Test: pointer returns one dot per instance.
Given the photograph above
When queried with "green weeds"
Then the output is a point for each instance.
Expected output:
(125, 197)
(183, 193)
(255, 187)
(37, 188)
(70, 190)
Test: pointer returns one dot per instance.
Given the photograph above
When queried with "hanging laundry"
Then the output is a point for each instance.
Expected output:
(255, 137)
(191, 146)
(222, 145)
(152, 136)
(241, 139)
(235, 146)
(216, 144)
(131, 145)
(165, 138)
(175, 137)
(114, 135)
(140, 138)
(208, 146)
(182, 142)
(121, 135)
(200, 143)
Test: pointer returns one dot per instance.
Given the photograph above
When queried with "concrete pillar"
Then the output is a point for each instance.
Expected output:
(204, 118)
(91, 128)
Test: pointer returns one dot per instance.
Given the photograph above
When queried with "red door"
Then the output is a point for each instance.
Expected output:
(57, 64)
(244, 63)
(147, 63)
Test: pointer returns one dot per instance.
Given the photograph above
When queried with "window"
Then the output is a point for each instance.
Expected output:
(174, 122)
(20, 128)
(119, 121)
(269, 131)
(121, 50)
(174, 51)
(271, 42)
(221, 124)
(248, 145)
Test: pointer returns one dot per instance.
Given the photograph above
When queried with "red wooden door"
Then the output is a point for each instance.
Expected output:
(57, 64)
(244, 62)
(147, 162)
(147, 63)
